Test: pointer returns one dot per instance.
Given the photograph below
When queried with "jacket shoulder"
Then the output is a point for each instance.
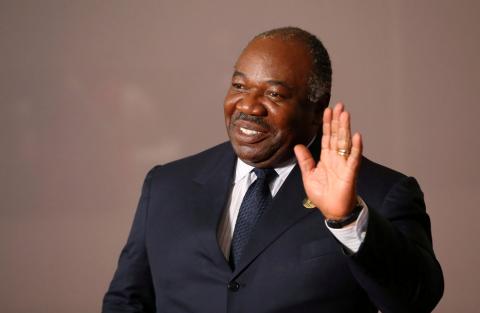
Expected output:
(374, 171)
(376, 180)
(196, 164)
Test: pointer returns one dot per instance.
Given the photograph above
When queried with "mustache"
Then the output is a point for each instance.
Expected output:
(250, 118)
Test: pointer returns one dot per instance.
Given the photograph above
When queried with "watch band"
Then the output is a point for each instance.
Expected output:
(347, 219)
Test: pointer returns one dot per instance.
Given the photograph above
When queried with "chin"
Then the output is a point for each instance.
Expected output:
(247, 154)
(262, 158)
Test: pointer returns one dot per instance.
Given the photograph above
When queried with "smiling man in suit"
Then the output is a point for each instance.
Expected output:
(285, 217)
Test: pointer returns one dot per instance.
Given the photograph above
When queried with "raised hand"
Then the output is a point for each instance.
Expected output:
(330, 184)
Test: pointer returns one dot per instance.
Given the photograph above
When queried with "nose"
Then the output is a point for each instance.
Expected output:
(251, 104)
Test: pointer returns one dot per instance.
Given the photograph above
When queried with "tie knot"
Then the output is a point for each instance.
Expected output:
(265, 173)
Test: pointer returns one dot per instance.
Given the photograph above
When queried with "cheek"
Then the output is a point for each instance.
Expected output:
(228, 112)
(229, 104)
(283, 119)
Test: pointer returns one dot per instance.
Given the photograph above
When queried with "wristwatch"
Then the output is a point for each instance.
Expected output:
(350, 218)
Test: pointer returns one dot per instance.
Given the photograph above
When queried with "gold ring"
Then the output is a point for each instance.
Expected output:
(343, 152)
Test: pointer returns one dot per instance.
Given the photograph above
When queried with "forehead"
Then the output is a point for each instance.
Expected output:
(274, 58)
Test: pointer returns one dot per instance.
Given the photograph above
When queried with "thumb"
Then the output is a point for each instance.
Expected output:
(305, 159)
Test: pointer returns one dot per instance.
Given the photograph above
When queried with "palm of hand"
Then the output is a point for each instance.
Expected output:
(330, 184)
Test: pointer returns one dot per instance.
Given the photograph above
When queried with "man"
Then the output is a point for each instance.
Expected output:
(264, 224)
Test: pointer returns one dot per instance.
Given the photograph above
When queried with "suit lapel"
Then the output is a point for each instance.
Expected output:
(212, 188)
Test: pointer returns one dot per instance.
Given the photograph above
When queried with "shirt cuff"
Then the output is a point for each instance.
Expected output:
(352, 236)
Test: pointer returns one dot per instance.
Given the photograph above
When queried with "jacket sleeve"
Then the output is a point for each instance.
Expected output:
(396, 264)
(131, 289)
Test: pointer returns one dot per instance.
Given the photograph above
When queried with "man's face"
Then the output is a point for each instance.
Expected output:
(266, 108)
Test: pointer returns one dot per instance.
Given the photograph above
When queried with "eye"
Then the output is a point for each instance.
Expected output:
(238, 86)
(274, 95)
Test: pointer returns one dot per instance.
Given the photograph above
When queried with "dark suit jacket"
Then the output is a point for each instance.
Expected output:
(172, 262)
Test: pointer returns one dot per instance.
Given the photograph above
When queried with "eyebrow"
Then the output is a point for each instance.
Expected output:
(270, 82)
(237, 73)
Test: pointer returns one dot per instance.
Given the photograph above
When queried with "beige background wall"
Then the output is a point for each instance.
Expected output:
(93, 94)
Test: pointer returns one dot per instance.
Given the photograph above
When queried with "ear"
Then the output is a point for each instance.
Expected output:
(320, 106)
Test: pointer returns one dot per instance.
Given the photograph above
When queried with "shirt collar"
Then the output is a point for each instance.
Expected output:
(243, 169)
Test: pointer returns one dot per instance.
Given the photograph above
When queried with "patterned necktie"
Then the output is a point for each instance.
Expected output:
(256, 200)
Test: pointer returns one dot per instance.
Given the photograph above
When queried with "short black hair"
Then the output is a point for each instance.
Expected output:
(320, 80)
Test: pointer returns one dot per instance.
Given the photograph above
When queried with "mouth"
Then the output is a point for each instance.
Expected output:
(248, 132)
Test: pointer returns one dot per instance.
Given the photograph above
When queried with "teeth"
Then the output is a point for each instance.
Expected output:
(249, 131)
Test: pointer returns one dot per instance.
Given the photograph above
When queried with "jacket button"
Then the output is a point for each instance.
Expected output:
(233, 286)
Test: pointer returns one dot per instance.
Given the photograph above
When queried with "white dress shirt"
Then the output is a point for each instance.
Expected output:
(350, 236)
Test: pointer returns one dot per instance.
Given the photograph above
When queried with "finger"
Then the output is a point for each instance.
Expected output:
(344, 136)
(334, 128)
(355, 156)
(327, 124)
(305, 159)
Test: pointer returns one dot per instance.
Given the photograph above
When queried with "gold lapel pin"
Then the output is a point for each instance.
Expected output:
(308, 204)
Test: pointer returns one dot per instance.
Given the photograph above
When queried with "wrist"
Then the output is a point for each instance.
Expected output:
(346, 220)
